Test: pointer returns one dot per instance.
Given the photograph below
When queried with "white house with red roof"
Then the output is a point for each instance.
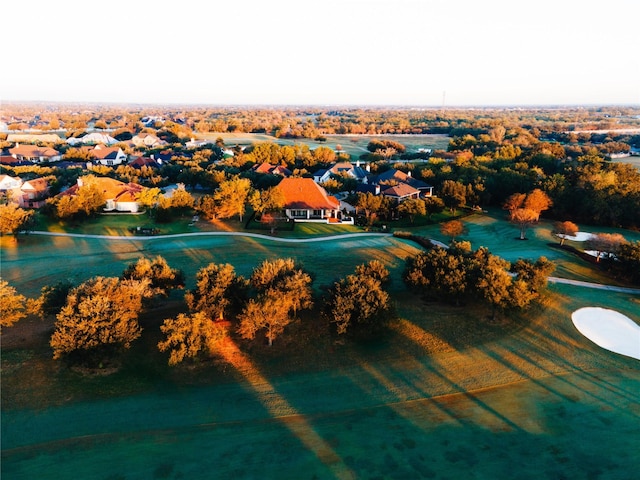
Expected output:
(108, 155)
(33, 153)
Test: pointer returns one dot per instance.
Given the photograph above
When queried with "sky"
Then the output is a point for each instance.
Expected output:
(322, 52)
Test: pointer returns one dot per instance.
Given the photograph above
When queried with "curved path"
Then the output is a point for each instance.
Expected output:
(566, 281)
(213, 234)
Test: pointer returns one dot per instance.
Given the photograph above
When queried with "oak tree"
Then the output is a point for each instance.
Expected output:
(190, 335)
(13, 306)
(14, 219)
(452, 228)
(100, 315)
(161, 276)
(564, 230)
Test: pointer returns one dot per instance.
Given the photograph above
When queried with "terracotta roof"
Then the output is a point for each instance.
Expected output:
(33, 151)
(112, 189)
(102, 153)
(305, 194)
(266, 167)
(400, 190)
(37, 184)
(263, 168)
(8, 160)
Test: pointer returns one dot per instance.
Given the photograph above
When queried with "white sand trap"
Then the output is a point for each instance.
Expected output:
(609, 329)
(578, 237)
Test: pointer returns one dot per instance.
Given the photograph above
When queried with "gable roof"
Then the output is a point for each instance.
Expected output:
(305, 194)
(400, 190)
(33, 151)
(144, 161)
(7, 182)
(104, 153)
(36, 185)
(401, 177)
(111, 188)
(268, 168)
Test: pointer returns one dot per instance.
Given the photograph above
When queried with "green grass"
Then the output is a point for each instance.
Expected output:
(354, 145)
(447, 392)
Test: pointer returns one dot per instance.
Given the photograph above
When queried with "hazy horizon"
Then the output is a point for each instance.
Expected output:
(393, 53)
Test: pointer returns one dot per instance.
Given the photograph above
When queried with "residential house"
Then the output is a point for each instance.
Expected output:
(140, 162)
(108, 155)
(94, 138)
(270, 169)
(147, 140)
(32, 193)
(401, 192)
(119, 196)
(393, 177)
(306, 201)
(9, 183)
(34, 138)
(339, 169)
(33, 153)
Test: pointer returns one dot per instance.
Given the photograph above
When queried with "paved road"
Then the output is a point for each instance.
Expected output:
(577, 283)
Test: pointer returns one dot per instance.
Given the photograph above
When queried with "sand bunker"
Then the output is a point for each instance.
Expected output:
(578, 237)
(609, 329)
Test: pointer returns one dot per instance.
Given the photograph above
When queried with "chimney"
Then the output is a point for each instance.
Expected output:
(409, 173)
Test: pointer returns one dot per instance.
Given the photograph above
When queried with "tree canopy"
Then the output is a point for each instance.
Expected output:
(100, 314)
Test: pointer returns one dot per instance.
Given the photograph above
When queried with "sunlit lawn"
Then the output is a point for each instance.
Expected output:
(354, 145)
(446, 392)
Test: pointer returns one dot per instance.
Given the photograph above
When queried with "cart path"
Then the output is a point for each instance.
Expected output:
(212, 234)
(566, 281)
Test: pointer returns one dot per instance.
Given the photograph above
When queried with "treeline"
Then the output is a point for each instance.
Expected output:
(314, 122)
(98, 319)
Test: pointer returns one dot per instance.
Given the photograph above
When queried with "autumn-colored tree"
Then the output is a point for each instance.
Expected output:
(14, 219)
(452, 228)
(439, 273)
(413, 207)
(492, 280)
(190, 335)
(374, 269)
(270, 200)
(370, 203)
(89, 196)
(52, 298)
(181, 199)
(100, 314)
(605, 244)
(524, 218)
(149, 197)
(564, 230)
(282, 290)
(534, 274)
(231, 197)
(359, 302)
(537, 201)
(264, 313)
(454, 194)
(161, 276)
(524, 209)
(217, 289)
(433, 205)
(13, 306)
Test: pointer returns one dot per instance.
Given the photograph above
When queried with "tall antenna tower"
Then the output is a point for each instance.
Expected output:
(444, 96)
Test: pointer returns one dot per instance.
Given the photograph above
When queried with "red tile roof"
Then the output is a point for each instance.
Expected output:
(305, 194)
(33, 151)
(401, 190)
